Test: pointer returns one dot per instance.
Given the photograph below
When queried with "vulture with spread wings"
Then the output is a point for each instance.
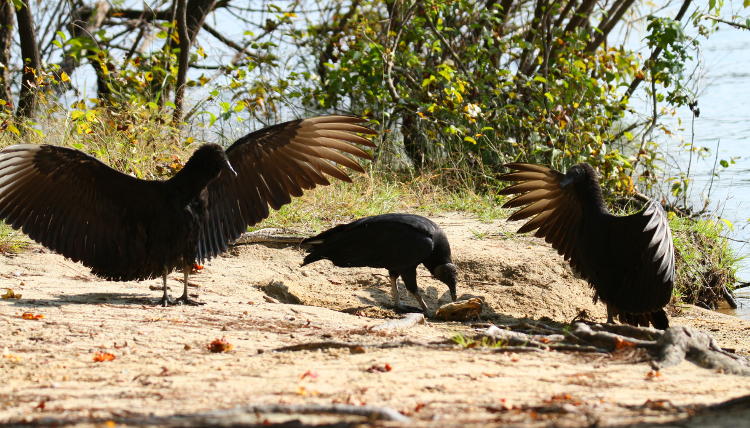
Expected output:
(629, 260)
(125, 228)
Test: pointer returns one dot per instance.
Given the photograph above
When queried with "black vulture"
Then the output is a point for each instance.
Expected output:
(397, 242)
(628, 260)
(125, 228)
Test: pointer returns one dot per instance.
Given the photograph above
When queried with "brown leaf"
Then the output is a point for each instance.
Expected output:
(101, 357)
(220, 345)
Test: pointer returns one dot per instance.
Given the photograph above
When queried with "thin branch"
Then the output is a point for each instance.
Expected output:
(184, 45)
(447, 45)
(724, 21)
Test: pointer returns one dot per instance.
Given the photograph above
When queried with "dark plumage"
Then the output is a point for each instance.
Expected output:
(124, 228)
(397, 242)
(629, 261)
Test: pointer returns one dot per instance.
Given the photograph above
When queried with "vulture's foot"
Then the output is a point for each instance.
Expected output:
(166, 301)
(406, 309)
(185, 300)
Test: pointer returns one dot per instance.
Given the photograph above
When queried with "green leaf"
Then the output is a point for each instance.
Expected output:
(728, 223)
(549, 96)
(540, 79)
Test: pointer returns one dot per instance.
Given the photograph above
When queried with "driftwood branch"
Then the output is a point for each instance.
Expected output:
(667, 348)
(409, 320)
(360, 348)
(270, 235)
(373, 412)
(221, 417)
(685, 343)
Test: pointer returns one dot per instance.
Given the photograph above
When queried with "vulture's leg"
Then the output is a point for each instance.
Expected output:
(165, 299)
(611, 312)
(394, 288)
(185, 299)
(410, 280)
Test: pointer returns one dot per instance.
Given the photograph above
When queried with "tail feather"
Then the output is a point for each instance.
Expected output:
(657, 318)
(311, 258)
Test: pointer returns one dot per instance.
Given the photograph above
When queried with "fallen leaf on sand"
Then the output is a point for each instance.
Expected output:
(461, 310)
(311, 374)
(31, 316)
(101, 357)
(622, 344)
(10, 294)
(379, 368)
(220, 345)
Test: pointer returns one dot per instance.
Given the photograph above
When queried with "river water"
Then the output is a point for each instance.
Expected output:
(724, 102)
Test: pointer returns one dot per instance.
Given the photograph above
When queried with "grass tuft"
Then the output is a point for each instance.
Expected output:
(705, 262)
(378, 193)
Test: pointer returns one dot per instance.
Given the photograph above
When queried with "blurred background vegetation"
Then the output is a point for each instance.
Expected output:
(456, 88)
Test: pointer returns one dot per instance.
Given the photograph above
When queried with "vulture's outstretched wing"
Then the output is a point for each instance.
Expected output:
(77, 206)
(274, 164)
(641, 263)
(556, 211)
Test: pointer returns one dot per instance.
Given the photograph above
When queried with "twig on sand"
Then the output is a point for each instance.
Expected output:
(220, 417)
(362, 347)
(372, 412)
(271, 235)
(409, 320)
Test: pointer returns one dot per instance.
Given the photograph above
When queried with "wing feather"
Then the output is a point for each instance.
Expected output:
(276, 163)
(75, 204)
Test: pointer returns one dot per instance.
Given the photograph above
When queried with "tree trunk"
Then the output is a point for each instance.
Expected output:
(31, 61)
(7, 21)
(196, 13)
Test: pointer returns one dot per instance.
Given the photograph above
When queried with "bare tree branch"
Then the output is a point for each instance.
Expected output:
(182, 31)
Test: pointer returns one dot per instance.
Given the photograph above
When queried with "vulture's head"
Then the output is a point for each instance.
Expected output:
(447, 274)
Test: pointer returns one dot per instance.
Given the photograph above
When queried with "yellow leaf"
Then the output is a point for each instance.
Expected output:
(12, 128)
(10, 294)
(64, 77)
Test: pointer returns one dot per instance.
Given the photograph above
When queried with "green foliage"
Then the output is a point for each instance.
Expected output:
(668, 68)
(469, 343)
(705, 261)
(380, 193)
(470, 95)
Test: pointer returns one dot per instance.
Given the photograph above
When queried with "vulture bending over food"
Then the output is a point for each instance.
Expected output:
(629, 261)
(397, 242)
(125, 228)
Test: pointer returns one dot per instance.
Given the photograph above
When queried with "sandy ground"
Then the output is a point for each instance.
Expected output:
(162, 366)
